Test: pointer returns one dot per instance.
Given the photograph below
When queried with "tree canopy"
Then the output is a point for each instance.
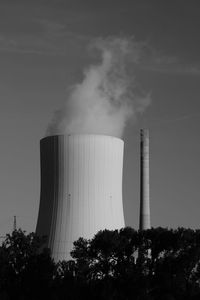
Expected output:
(157, 263)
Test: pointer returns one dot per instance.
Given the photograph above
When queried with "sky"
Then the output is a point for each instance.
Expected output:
(44, 50)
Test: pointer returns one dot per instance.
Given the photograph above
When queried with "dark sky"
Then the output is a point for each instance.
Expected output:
(44, 50)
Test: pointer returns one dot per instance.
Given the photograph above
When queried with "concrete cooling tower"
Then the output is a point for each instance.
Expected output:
(81, 189)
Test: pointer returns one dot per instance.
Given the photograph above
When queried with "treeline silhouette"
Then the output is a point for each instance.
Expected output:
(122, 264)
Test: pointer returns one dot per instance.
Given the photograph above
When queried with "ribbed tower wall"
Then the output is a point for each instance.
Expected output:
(81, 189)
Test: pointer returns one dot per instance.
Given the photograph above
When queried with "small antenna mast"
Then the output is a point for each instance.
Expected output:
(15, 224)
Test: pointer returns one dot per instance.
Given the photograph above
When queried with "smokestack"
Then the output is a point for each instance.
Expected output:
(144, 222)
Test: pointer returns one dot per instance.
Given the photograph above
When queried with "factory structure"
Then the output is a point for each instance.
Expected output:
(81, 188)
(144, 221)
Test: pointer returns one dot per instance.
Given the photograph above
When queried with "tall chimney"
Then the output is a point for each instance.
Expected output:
(144, 181)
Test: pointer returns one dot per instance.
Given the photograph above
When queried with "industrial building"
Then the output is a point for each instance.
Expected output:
(81, 189)
(144, 221)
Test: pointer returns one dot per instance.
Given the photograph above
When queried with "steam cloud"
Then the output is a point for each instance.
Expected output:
(107, 97)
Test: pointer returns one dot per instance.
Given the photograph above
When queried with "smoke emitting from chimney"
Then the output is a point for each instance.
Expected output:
(107, 97)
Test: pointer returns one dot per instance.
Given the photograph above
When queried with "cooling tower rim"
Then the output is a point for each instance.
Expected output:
(82, 135)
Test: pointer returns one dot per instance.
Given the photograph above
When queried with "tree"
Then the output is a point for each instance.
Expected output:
(24, 268)
(150, 264)
(153, 264)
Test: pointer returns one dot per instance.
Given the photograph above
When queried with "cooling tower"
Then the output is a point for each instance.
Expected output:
(81, 189)
(144, 222)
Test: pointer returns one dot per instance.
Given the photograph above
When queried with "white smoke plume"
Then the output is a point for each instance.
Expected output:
(107, 97)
